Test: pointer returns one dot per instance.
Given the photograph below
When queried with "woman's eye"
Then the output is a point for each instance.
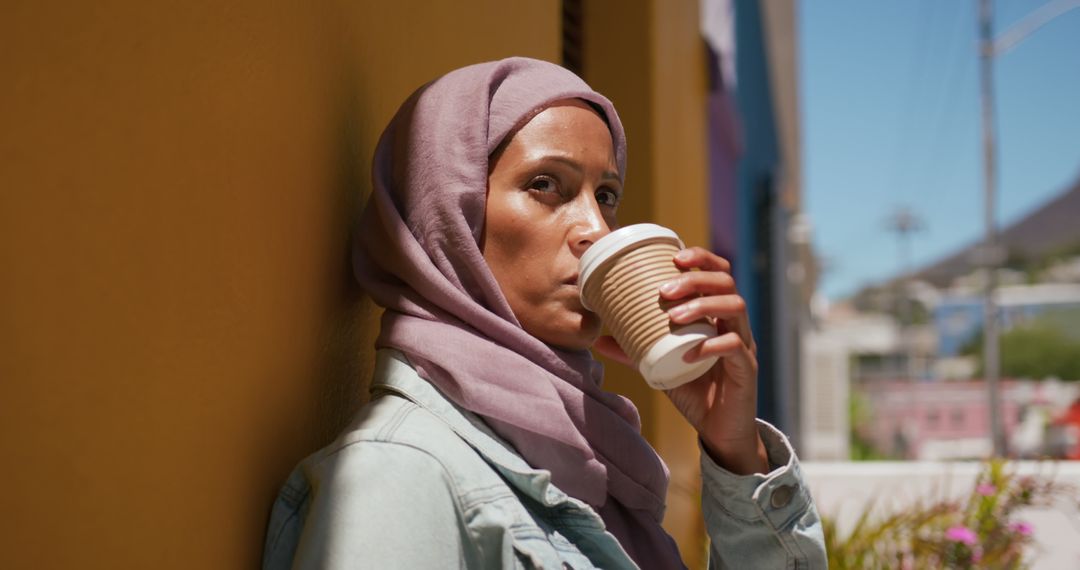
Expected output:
(543, 184)
(607, 198)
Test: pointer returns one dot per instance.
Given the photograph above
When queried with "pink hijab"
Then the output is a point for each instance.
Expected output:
(418, 256)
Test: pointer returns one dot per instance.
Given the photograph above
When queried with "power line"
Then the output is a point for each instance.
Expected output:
(917, 70)
(942, 111)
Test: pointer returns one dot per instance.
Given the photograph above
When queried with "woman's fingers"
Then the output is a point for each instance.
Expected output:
(607, 346)
(727, 344)
(701, 258)
(698, 283)
(716, 306)
(736, 354)
(711, 294)
(729, 310)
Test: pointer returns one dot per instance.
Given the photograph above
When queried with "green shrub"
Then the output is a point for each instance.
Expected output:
(1040, 349)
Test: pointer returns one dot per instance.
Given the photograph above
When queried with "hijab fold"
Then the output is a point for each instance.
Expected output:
(417, 255)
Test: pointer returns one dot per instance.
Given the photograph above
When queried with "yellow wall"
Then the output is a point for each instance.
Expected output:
(647, 56)
(177, 321)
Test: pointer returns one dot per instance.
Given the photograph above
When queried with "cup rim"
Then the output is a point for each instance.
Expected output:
(615, 243)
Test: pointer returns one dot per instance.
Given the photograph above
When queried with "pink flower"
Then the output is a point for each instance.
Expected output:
(985, 489)
(960, 533)
(1022, 528)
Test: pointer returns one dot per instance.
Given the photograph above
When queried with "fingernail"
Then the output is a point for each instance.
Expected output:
(678, 311)
(668, 288)
(683, 255)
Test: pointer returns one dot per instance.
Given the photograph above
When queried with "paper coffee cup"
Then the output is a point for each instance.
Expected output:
(620, 277)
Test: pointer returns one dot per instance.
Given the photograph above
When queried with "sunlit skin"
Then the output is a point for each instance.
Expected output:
(553, 190)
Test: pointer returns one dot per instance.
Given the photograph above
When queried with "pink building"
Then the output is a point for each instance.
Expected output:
(951, 420)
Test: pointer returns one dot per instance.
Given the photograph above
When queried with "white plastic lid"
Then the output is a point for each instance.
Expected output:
(663, 366)
(616, 242)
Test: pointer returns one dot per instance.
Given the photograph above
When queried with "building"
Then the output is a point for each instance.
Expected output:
(755, 186)
(950, 419)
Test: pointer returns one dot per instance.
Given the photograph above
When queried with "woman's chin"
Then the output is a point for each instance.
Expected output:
(578, 332)
(569, 342)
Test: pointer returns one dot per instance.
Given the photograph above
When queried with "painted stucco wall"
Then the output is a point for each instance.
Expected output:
(178, 320)
(178, 324)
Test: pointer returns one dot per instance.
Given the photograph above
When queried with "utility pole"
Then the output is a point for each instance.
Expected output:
(990, 254)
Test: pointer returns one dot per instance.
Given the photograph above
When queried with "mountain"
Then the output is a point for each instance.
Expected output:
(1052, 227)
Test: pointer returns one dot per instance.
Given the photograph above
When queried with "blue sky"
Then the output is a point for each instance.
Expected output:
(890, 109)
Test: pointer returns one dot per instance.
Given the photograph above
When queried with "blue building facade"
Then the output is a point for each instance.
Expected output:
(749, 218)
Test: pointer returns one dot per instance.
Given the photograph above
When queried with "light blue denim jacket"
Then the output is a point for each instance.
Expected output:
(416, 482)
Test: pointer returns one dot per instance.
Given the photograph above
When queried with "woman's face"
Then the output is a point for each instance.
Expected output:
(552, 192)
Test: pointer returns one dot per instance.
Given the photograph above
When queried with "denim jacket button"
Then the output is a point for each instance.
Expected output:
(782, 496)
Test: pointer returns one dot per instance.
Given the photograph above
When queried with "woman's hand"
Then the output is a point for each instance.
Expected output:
(722, 403)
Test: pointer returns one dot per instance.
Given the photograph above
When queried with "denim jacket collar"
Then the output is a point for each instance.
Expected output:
(396, 375)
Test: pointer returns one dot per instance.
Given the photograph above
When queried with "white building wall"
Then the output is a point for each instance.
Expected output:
(824, 403)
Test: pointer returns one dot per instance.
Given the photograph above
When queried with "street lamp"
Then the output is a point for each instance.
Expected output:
(905, 223)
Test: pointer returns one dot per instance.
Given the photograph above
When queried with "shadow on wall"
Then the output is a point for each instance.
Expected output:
(346, 356)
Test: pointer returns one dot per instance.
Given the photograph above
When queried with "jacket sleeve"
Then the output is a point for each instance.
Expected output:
(762, 520)
(389, 506)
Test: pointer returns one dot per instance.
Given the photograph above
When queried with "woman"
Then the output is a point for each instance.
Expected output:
(488, 442)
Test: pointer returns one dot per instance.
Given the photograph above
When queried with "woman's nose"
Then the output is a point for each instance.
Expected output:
(589, 226)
